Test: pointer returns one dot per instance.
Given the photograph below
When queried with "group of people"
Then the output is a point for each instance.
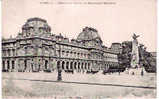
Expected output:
(135, 72)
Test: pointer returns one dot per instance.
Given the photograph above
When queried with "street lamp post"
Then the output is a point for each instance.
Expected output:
(59, 76)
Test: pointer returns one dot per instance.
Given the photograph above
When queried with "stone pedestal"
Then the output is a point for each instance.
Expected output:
(136, 71)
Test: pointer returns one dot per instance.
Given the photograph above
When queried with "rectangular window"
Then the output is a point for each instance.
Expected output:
(13, 52)
(8, 64)
(9, 52)
(12, 64)
(3, 65)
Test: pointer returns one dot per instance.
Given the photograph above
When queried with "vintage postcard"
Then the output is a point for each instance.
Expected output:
(79, 49)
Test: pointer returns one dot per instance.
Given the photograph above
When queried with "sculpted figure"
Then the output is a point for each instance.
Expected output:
(135, 36)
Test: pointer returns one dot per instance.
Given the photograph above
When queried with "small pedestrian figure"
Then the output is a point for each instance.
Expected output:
(142, 72)
(133, 73)
(119, 72)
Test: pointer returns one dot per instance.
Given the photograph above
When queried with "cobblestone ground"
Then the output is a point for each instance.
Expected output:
(92, 86)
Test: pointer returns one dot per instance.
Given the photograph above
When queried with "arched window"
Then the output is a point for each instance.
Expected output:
(3, 65)
(78, 65)
(46, 63)
(63, 63)
(85, 65)
(4, 52)
(78, 54)
(63, 53)
(81, 54)
(74, 54)
(82, 66)
(67, 65)
(71, 65)
(75, 65)
(13, 52)
(9, 53)
(25, 64)
(70, 54)
(13, 64)
(67, 53)
(88, 65)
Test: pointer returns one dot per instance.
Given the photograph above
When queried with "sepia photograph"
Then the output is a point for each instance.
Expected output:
(79, 49)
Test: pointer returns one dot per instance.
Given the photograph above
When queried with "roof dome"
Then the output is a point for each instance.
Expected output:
(35, 26)
(87, 34)
(36, 23)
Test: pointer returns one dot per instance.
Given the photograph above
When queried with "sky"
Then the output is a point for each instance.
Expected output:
(115, 22)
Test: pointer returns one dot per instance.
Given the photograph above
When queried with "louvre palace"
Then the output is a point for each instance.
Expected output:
(37, 49)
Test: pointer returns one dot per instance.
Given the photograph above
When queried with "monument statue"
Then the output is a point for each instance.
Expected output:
(135, 52)
(135, 69)
(135, 36)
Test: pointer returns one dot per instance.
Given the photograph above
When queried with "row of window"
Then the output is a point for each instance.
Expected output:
(68, 47)
(9, 52)
(8, 65)
(75, 65)
(74, 54)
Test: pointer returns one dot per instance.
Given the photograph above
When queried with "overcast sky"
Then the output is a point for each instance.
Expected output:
(114, 22)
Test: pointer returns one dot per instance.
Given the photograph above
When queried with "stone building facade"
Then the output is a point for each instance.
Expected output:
(37, 49)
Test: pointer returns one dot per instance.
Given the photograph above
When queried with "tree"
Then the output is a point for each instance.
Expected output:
(125, 56)
(145, 58)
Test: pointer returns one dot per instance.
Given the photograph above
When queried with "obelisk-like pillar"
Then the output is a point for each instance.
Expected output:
(135, 53)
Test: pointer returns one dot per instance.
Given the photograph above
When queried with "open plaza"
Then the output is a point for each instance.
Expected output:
(78, 85)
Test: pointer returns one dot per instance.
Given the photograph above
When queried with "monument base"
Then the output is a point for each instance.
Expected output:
(136, 71)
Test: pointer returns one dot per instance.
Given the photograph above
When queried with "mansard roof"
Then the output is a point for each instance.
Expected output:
(28, 25)
(88, 33)
(36, 19)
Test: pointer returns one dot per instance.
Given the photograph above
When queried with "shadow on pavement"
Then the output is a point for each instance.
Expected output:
(99, 84)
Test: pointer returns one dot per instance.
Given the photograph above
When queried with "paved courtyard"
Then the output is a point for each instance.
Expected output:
(78, 85)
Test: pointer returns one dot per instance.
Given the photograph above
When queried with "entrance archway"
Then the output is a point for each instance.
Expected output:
(71, 65)
(46, 64)
(82, 66)
(67, 64)
(8, 65)
(63, 65)
(85, 65)
(78, 65)
(75, 65)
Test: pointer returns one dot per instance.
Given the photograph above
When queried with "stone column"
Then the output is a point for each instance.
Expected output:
(22, 65)
(49, 64)
(41, 65)
(54, 64)
(28, 69)
(17, 65)
(59, 65)
(5, 64)
(11, 65)
(36, 64)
